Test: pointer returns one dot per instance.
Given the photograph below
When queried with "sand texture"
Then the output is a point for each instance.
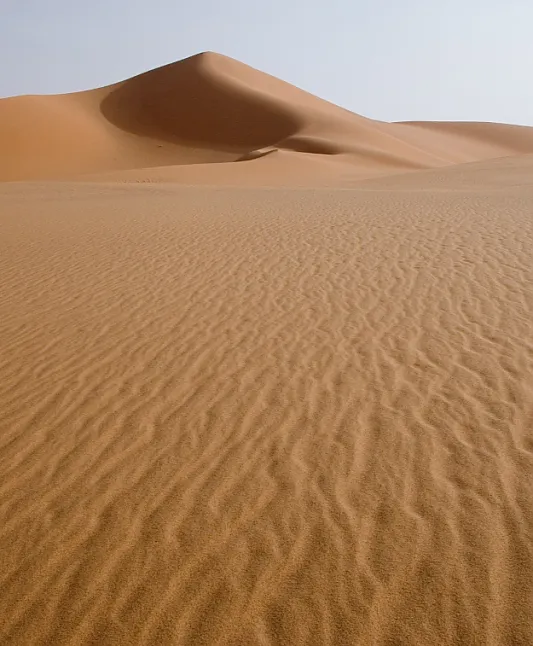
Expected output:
(289, 406)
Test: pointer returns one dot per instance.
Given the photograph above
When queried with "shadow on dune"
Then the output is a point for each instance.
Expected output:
(186, 103)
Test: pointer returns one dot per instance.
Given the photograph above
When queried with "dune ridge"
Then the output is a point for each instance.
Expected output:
(209, 109)
(266, 375)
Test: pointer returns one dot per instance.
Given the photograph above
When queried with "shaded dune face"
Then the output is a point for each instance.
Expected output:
(194, 102)
(189, 121)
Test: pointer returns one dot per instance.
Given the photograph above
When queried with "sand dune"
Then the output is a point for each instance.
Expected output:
(212, 109)
(487, 176)
(290, 408)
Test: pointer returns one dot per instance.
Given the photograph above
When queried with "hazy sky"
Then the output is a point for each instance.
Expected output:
(387, 59)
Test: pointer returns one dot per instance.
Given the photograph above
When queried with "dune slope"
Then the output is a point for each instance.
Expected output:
(212, 109)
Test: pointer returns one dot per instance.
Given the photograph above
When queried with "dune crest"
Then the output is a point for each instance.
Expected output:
(209, 109)
(266, 370)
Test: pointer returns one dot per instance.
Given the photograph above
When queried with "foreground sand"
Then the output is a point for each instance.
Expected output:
(259, 416)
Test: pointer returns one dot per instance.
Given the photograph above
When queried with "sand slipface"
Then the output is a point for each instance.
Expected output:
(292, 405)
(212, 110)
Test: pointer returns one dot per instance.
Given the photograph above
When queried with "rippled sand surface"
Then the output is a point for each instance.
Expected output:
(267, 416)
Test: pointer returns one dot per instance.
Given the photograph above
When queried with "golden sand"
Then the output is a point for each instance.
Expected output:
(285, 406)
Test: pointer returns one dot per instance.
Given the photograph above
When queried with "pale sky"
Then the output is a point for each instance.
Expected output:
(387, 59)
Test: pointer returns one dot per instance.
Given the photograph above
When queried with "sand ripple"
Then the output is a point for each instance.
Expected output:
(265, 417)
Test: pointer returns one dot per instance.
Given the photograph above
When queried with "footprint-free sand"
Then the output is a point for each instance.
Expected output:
(266, 370)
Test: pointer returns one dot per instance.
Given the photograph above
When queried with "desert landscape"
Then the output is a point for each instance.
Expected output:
(266, 370)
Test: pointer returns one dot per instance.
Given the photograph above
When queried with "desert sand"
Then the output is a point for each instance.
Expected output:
(266, 370)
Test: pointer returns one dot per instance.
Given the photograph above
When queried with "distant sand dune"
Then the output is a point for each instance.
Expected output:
(290, 406)
(212, 109)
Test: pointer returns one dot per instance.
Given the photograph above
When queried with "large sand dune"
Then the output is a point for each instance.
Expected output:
(211, 108)
(262, 415)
